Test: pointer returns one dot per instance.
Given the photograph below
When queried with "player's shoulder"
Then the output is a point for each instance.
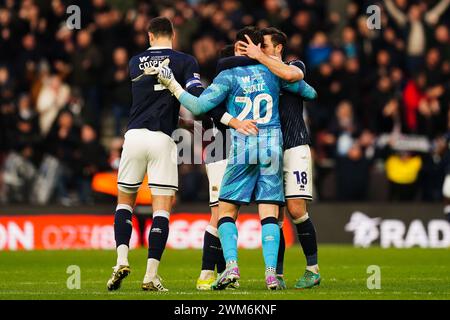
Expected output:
(184, 57)
(298, 63)
(138, 56)
(234, 62)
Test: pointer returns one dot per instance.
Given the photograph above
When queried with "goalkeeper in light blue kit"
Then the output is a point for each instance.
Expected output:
(254, 170)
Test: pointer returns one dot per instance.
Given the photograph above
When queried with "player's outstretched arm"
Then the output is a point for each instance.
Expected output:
(210, 98)
(301, 88)
(279, 68)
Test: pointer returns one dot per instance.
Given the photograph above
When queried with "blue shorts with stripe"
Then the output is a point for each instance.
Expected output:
(255, 169)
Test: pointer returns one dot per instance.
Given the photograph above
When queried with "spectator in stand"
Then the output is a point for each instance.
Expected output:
(115, 151)
(7, 85)
(415, 23)
(422, 112)
(63, 143)
(319, 50)
(205, 50)
(385, 113)
(52, 97)
(349, 42)
(120, 88)
(86, 61)
(91, 158)
(344, 128)
(352, 174)
(442, 43)
(434, 170)
(26, 137)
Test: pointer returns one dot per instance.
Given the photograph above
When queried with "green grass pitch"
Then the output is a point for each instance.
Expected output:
(405, 274)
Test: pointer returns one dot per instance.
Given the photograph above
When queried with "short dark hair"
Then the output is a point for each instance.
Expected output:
(253, 33)
(227, 51)
(161, 26)
(277, 36)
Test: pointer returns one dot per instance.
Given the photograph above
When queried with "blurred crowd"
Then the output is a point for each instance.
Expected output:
(381, 121)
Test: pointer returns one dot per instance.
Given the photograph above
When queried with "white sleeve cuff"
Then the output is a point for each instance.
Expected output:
(226, 118)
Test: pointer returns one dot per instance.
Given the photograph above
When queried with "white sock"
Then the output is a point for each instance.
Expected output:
(206, 274)
(271, 271)
(152, 269)
(122, 255)
(314, 268)
(301, 219)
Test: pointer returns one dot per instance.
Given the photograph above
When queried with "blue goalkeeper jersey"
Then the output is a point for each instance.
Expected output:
(293, 127)
(250, 92)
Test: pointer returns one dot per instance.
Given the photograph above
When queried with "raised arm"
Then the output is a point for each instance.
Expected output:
(276, 66)
(210, 98)
(432, 16)
(396, 13)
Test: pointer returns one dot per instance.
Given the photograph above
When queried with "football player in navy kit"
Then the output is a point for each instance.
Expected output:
(149, 148)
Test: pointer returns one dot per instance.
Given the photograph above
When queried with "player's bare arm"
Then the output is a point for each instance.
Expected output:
(279, 68)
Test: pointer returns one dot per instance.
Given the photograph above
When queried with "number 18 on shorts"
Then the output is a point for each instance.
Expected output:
(297, 170)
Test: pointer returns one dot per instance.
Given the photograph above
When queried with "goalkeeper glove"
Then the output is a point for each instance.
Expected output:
(167, 79)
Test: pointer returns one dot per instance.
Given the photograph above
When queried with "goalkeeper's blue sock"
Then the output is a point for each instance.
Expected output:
(228, 235)
(270, 242)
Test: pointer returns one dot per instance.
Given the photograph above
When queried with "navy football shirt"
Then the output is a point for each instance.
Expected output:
(154, 107)
(295, 132)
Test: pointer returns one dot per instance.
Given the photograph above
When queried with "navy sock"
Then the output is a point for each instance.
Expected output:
(307, 237)
(221, 264)
(212, 251)
(122, 227)
(281, 249)
(157, 237)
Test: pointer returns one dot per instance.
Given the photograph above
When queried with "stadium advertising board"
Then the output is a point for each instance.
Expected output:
(384, 225)
(363, 225)
(55, 232)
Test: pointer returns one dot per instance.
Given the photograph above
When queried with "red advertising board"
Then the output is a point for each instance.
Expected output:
(59, 232)
(56, 232)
